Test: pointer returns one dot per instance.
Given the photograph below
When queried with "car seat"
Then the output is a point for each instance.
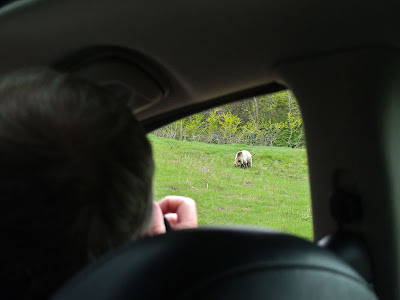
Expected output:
(218, 263)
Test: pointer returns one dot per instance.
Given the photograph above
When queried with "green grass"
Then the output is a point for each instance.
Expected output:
(274, 193)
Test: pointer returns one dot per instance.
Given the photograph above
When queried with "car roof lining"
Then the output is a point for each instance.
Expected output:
(238, 47)
(126, 74)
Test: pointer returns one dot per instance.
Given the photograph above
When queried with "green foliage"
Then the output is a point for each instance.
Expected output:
(273, 193)
(193, 127)
(229, 124)
(212, 125)
(269, 120)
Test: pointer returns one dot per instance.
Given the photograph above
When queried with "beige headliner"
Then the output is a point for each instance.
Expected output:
(207, 49)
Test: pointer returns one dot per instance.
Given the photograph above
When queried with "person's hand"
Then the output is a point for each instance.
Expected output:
(180, 212)
(157, 226)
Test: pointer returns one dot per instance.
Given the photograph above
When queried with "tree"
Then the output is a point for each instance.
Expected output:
(273, 120)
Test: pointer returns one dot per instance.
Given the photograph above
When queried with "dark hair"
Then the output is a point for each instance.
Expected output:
(75, 178)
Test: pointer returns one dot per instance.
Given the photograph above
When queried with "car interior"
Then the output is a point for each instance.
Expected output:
(171, 59)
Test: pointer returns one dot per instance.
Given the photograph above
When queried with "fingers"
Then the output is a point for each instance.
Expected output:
(158, 226)
(180, 212)
(183, 207)
(172, 219)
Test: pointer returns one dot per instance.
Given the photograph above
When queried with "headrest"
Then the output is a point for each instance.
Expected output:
(218, 264)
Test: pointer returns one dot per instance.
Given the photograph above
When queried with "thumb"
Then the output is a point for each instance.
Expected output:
(158, 226)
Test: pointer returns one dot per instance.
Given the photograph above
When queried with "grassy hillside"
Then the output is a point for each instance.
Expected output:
(273, 193)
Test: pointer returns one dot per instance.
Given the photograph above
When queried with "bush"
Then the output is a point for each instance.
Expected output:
(271, 120)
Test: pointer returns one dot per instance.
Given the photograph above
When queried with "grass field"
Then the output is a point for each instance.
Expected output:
(274, 193)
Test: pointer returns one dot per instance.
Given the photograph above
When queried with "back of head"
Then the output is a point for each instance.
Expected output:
(75, 178)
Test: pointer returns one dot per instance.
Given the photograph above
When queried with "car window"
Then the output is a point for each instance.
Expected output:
(197, 157)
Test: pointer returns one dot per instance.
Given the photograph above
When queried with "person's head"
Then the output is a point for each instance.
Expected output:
(75, 178)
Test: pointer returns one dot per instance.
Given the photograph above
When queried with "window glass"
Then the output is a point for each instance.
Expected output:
(195, 157)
